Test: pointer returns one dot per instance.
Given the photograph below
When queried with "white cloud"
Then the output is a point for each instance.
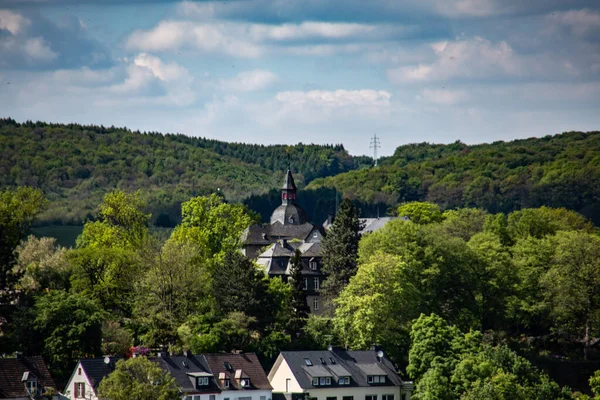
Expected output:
(443, 96)
(13, 22)
(581, 22)
(248, 81)
(473, 58)
(337, 98)
(37, 49)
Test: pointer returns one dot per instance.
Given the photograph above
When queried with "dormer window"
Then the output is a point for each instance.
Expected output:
(226, 383)
(202, 381)
(344, 380)
(245, 382)
(376, 379)
(313, 265)
(31, 387)
(308, 362)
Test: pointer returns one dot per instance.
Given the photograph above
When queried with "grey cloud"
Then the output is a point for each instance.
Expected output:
(39, 43)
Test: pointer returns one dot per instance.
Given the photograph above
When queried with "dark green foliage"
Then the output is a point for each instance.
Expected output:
(76, 165)
(340, 250)
(299, 304)
(238, 285)
(556, 171)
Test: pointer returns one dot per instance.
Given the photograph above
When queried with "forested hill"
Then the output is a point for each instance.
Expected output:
(76, 165)
(558, 171)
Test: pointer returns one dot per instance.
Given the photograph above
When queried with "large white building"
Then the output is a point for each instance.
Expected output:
(337, 374)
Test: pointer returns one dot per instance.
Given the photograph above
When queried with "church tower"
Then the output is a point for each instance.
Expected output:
(289, 213)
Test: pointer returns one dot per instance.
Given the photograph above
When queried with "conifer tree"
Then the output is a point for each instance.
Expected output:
(299, 303)
(340, 250)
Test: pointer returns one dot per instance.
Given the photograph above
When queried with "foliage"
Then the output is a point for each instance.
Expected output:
(116, 340)
(76, 165)
(595, 383)
(299, 303)
(138, 378)
(212, 225)
(377, 306)
(230, 333)
(41, 265)
(71, 327)
(421, 212)
(18, 208)
(557, 171)
(340, 250)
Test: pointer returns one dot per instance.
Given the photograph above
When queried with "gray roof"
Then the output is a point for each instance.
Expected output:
(356, 364)
(96, 369)
(184, 368)
(288, 183)
(374, 224)
(289, 214)
(263, 235)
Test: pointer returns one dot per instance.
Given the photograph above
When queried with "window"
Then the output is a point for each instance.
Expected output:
(245, 382)
(325, 381)
(315, 381)
(316, 304)
(202, 381)
(284, 196)
(344, 380)
(313, 265)
(370, 379)
(265, 398)
(228, 366)
(348, 398)
(376, 379)
(315, 235)
(226, 383)
(316, 283)
(79, 390)
(332, 360)
(322, 360)
(212, 397)
(331, 398)
(308, 362)
(31, 387)
(79, 371)
(305, 283)
(371, 397)
(387, 397)
(403, 397)
(197, 397)
(189, 397)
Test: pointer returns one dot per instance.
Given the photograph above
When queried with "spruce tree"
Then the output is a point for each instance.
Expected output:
(340, 251)
(299, 304)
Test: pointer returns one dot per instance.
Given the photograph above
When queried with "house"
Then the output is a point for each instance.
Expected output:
(276, 261)
(217, 376)
(288, 222)
(25, 378)
(86, 377)
(337, 374)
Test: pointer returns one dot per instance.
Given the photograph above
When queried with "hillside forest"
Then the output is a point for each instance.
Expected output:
(76, 165)
(469, 304)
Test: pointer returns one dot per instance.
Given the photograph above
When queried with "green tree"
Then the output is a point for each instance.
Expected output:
(234, 332)
(140, 379)
(544, 221)
(573, 284)
(18, 208)
(71, 325)
(340, 251)
(421, 212)
(212, 225)
(377, 306)
(122, 223)
(595, 383)
(116, 340)
(41, 265)
(299, 303)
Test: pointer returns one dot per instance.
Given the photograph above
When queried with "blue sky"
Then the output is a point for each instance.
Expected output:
(311, 71)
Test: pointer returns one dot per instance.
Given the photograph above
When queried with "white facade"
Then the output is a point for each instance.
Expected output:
(79, 378)
(283, 380)
(232, 395)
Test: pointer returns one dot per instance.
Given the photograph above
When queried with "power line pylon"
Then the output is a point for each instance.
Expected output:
(375, 144)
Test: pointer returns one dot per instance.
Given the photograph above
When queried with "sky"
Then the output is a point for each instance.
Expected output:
(310, 71)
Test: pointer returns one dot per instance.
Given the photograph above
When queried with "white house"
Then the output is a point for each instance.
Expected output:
(86, 377)
(337, 374)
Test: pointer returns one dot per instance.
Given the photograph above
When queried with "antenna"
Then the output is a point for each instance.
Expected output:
(375, 144)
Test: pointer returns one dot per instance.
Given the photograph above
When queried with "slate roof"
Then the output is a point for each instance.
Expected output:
(11, 374)
(356, 364)
(184, 369)
(374, 224)
(276, 260)
(96, 369)
(288, 183)
(289, 214)
(267, 234)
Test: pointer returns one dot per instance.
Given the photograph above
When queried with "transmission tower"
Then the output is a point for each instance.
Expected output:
(375, 144)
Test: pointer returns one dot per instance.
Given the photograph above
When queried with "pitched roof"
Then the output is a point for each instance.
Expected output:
(288, 182)
(12, 371)
(356, 364)
(185, 369)
(246, 363)
(374, 224)
(97, 369)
